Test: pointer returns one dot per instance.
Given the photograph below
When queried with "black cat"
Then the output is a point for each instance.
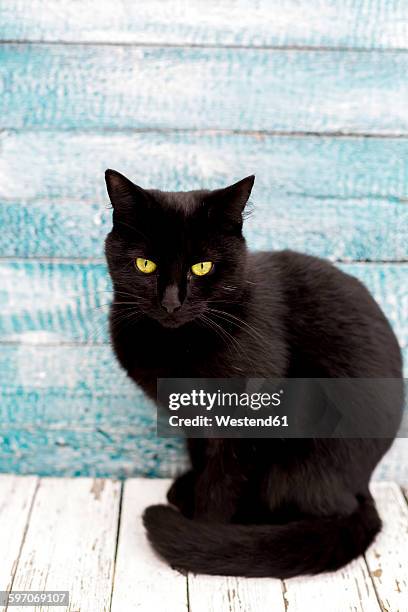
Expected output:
(191, 301)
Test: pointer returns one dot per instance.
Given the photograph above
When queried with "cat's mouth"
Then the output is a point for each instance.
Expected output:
(172, 320)
(182, 316)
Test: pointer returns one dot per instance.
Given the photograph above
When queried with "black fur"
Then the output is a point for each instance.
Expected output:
(267, 507)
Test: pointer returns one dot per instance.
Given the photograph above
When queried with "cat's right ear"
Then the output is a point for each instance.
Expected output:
(124, 195)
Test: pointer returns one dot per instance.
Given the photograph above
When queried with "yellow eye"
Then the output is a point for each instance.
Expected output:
(202, 268)
(145, 265)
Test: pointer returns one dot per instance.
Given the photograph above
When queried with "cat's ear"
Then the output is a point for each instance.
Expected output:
(124, 195)
(230, 202)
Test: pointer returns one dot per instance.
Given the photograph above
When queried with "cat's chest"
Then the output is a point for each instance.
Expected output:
(171, 354)
(178, 360)
(194, 353)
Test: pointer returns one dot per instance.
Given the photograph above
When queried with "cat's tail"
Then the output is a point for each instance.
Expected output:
(308, 546)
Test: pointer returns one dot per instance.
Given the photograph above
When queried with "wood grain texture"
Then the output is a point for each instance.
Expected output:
(64, 385)
(351, 23)
(70, 410)
(233, 594)
(16, 498)
(341, 198)
(387, 558)
(62, 302)
(93, 452)
(70, 526)
(107, 87)
(142, 580)
(350, 589)
(102, 453)
(394, 466)
(70, 542)
(54, 302)
(69, 166)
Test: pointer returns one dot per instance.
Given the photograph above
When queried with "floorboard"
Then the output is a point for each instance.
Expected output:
(387, 559)
(232, 594)
(70, 542)
(142, 581)
(81, 535)
(351, 589)
(16, 498)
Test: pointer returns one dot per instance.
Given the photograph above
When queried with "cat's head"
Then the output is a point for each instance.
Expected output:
(176, 254)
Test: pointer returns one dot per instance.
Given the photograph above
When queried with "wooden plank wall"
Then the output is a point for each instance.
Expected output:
(311, 97)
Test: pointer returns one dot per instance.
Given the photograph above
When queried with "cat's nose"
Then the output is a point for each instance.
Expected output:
(171, 301)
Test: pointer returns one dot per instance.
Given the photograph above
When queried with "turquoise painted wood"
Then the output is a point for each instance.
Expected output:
(107, 87)
(49, 452)
(71, 410)
(188, 95)
(332, 23)
(341, 198)
(69, 165)
(71, 387)
(349, 230)
(68, 302)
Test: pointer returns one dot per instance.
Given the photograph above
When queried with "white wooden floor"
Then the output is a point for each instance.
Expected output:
(86, 536)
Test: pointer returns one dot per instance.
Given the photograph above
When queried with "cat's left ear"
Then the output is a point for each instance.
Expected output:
(230, 201)
(124, 195)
